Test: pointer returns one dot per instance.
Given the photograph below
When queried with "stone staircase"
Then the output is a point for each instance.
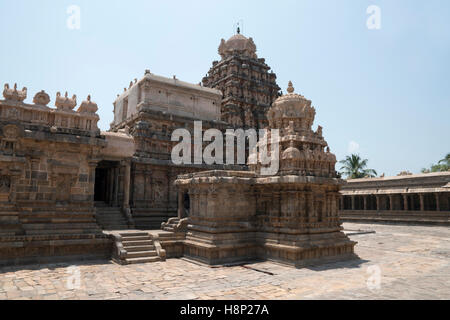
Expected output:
(110, 218)
(9, 220)
(137, 247)
(59, 221)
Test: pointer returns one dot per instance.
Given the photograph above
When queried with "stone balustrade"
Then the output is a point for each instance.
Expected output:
(14, 109)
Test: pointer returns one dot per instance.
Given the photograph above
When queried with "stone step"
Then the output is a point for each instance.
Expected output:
(108, 214)
(142, 260)
(141, 254)
(9, 226)
(61, 231)
(9, 219)
(139, 248)
(41, 226)
(56, 220)
(138, 243)
(8, 233)
(111, 222)
(8, 212)
(118, 227)
(132, 234)
(60, 215)
(136, 238)
(107, 209)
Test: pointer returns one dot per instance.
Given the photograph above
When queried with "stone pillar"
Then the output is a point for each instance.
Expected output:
(111, 186)
(341, 202)
(365, 202)
(422, 202)
(353, 202)
(92, 167)
(405, 202)
(391, 202)
(116, 187)
(180, 204)
(438, 205)
(126, 185)
(378, 202)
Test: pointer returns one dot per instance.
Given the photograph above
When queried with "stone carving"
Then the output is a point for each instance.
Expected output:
(64, 183)
(158, 194)
(11, 132)
(14, 94)
(293, 115)
(13, 113)
(65, 103)
(293, 212)
(88, 106)
(245, 82)
(5, 184)
(41, 98)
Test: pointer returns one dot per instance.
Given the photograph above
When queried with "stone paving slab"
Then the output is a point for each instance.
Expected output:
(396, 262)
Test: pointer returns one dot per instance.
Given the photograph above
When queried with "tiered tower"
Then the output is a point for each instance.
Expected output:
(247, 85)
(289, 216)
(303, 152)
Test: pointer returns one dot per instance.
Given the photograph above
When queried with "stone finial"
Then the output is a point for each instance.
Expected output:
(88, 106)
(319, 131)
(135, 80)
(290, 88)
(65, 103)
(131, 84)
(14, 94)
(41, 98)
(147, 71)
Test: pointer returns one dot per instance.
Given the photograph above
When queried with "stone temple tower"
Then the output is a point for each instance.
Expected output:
(290, 215)
(247, 84)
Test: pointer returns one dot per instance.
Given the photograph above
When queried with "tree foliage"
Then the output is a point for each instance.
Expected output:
(441, 166)
(354, 167)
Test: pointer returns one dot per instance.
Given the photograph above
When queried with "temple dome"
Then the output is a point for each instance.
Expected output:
(291, 153)
(291, 107)
(239, 43)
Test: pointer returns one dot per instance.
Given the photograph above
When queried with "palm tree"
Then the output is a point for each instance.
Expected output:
(442, 166)
(354, 167)
(446, 160)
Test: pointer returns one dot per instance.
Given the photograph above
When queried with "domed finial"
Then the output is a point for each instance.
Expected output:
(290, 88)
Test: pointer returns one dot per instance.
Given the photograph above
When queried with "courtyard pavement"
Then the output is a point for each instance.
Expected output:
(396, 262)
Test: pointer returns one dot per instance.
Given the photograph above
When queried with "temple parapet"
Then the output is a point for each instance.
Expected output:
(13, 108)
(14, 94)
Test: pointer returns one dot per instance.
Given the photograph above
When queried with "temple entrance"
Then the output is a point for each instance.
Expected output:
(107, 182)
(186, 204)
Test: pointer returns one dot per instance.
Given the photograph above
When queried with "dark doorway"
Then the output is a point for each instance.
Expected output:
(106, 182)
(101, 177)
(186, 204)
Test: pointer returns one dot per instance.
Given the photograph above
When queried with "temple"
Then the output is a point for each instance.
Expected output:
(70, 191)
(290, 217)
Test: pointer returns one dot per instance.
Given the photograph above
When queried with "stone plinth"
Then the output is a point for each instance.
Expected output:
(239, 217)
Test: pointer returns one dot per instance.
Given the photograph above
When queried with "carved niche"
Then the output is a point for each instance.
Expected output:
(64, 184)
(10, 137)
(5, 188)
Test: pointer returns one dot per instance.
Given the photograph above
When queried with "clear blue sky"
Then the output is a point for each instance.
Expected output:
(385, 93)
